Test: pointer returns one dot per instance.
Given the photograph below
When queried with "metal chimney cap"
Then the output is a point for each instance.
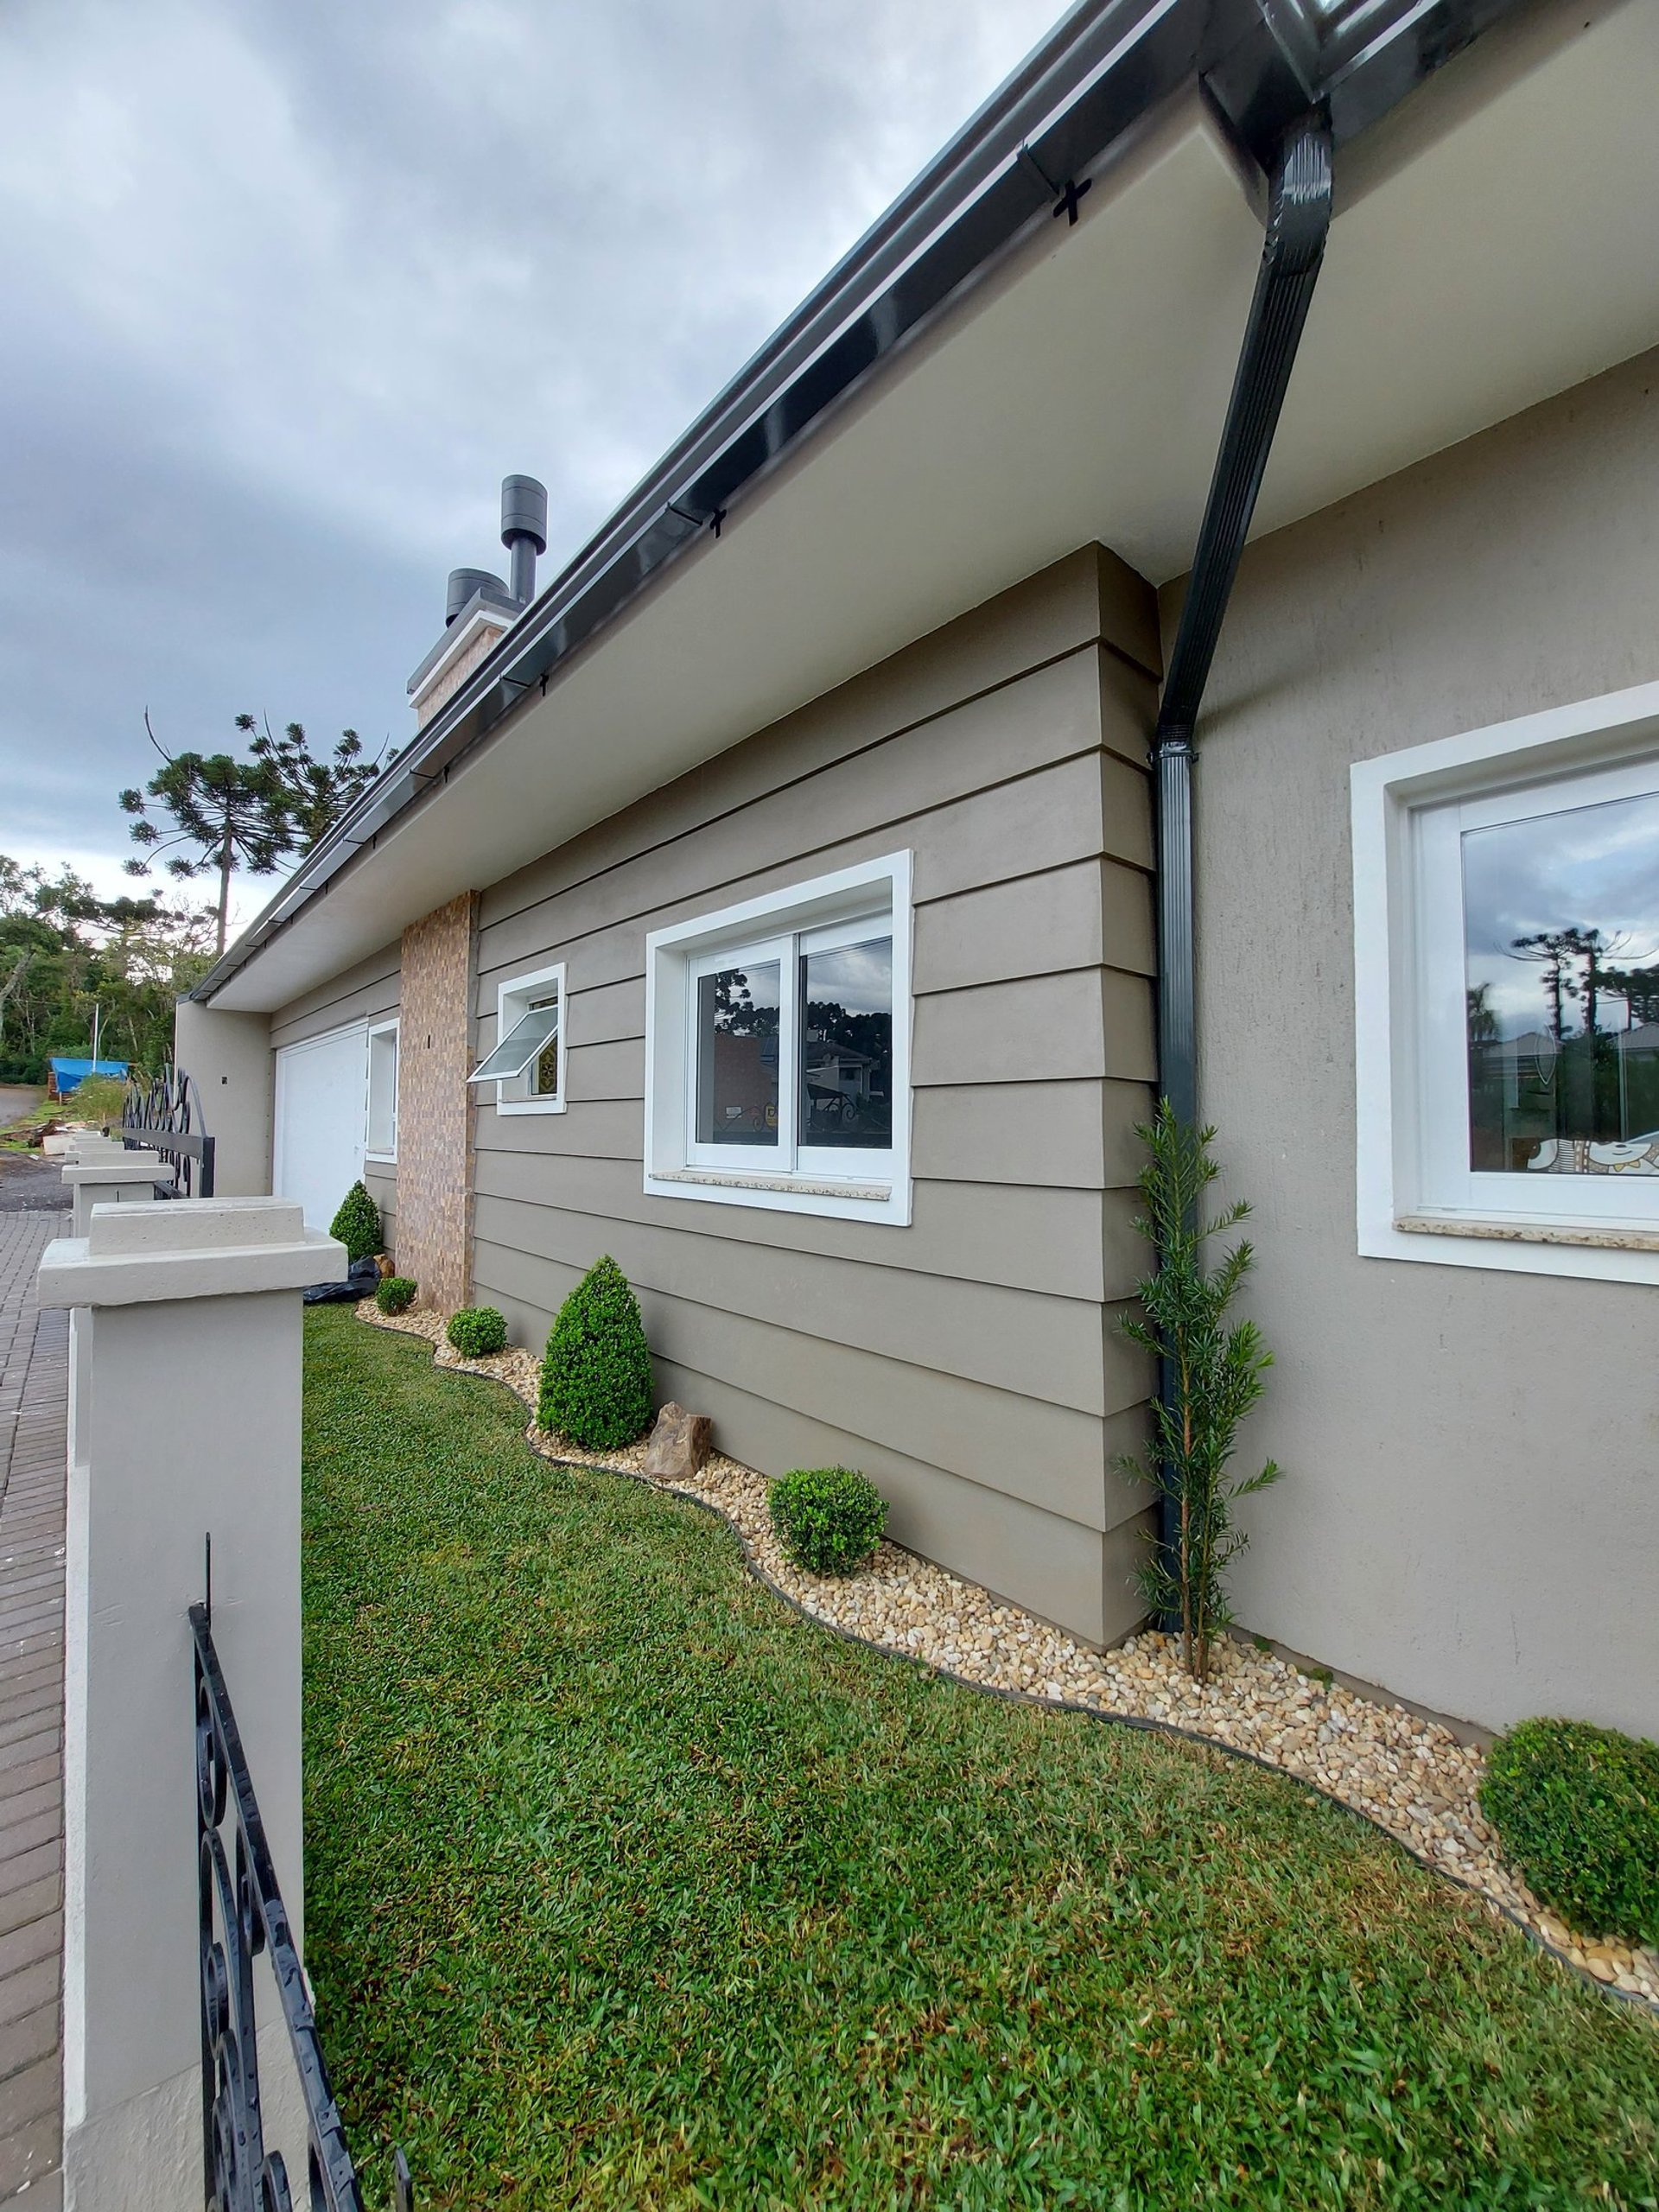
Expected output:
(523, 511)
(464, 584)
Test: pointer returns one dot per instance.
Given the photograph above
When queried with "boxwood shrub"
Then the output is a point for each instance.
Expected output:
(829, 1520)
(1576, 1809)
(357, 1224)
(395, 1293)
(596, 1379)
(477, 1331)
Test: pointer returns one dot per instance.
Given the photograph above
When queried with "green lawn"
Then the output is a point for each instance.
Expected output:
(625, 1886)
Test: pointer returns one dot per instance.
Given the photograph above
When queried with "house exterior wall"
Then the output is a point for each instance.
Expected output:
(227, 1056)
(435, 1107)
(968, 1362)
(368, 992)
(1470, 1513)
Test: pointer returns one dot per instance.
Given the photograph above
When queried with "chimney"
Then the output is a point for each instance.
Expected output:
(491, 608)
(524, 532)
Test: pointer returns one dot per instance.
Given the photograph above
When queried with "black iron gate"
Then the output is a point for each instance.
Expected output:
(162, 1114)
(241, 1914)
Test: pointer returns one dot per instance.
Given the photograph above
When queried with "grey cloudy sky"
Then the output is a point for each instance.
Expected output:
(289, 287)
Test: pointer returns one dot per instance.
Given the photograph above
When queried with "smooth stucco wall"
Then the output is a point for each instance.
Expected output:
(370, 991)
(227, 1056)
(1469, 1514)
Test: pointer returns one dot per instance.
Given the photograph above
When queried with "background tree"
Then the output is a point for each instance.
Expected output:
(227, 812)
(317, 790)
(64, 951)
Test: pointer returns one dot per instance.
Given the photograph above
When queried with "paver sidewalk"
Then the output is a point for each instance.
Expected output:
(34, 1411)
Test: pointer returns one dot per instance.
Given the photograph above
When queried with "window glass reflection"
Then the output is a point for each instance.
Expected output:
(1561, 963)
(847, 1045)
(737, 1055)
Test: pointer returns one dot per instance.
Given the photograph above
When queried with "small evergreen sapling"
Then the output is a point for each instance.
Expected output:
(1213, 1379)
(358, 1224)
(395, 1293)
(596, 1380)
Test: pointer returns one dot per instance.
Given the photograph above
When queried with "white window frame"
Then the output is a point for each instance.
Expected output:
(387, 1153)
(849, 1184)
(1416, 1198)
(512, 1000)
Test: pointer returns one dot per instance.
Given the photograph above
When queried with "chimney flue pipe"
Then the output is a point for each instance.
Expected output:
(524, 532)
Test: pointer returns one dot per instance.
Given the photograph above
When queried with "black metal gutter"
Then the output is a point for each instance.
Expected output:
(1298, 223)
(1026, 157)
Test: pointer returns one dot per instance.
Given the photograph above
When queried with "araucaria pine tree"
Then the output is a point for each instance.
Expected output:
(1211, 1379)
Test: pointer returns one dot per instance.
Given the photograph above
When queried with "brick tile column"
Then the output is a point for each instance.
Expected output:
(435, 1107)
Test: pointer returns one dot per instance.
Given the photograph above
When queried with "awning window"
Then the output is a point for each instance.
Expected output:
(521, 1045)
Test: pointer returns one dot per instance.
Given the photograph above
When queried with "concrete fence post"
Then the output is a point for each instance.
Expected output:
(187, 1422)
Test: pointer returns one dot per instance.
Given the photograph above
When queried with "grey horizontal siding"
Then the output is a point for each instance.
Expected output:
(1066, 1243)
(368, 992)
(1048, 1455)
(872, 797)
(1039, 1343)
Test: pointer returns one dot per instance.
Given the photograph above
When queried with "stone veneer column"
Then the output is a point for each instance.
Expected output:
(435, 1107)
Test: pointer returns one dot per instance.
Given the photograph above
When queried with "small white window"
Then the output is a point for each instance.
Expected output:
(383, 1091)
(527, 1064)
(1507, 973)
(777, 1049)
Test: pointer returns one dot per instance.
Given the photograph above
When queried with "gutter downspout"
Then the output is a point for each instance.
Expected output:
(1298, 223)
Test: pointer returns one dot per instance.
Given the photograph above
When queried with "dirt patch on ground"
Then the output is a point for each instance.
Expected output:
(31, 1184)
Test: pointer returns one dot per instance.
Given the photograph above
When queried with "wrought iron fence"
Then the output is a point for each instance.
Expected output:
(159, 1114)
(241, 1915)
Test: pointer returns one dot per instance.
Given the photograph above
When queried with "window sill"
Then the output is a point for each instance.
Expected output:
(1610, 1236)
(379, 1159)
(800, 1186)
(530, 1106)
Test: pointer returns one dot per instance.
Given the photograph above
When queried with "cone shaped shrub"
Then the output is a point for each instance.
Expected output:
(596, 1380)
(357, 1224)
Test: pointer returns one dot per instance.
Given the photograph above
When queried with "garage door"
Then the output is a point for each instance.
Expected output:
(322, 1111)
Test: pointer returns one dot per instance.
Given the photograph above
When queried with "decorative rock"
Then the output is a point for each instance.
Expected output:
(679, 1445)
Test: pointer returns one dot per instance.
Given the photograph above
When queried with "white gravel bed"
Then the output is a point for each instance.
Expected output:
(1409, 1775)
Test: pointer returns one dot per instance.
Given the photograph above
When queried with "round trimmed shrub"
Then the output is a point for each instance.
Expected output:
(357, 1224)
(478, 1330)
(829, 1520)
(395, 1293)
(596, 1380)
(1576, 1808)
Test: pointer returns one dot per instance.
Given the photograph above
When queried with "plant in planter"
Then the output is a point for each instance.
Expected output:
(357, 1225)
(1211, 1379)
(829, 1520)
(596, 1380)
(395, 1293)
(477, 1331)
(1576, 1808)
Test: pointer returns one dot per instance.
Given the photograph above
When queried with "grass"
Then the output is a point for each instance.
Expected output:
(627, 1887)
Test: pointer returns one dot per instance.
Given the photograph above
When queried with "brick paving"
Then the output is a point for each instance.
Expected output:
(33, 1398)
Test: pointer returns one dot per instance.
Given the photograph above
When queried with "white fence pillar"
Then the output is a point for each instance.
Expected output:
(188, 1422)
(103, 1177)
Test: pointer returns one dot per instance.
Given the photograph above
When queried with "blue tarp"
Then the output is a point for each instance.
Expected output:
(68, 1075)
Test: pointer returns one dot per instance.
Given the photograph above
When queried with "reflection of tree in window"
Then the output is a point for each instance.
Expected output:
(847, 1045)
(737, 1055)
(1561, 935)
(544, 1068)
